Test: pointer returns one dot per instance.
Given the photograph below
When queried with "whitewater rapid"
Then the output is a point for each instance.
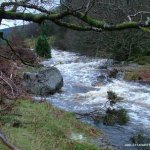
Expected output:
(83, 92)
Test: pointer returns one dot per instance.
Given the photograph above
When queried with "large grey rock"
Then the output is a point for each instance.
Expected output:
(46, 81)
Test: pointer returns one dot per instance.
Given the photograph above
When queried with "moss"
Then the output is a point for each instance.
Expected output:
(131, 76)
(140, 73)
(143, 60)
(45, 127)
(91, 21)
(25, 16)
(95, 22)
(126, 25)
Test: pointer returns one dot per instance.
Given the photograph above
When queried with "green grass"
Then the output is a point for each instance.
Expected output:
(143, 60)
(3, 147)
(24, 69)
(40, 126)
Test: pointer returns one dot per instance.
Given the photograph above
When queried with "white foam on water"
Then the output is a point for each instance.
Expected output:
(82, 71)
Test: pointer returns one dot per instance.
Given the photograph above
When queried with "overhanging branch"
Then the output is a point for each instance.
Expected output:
(91, 23)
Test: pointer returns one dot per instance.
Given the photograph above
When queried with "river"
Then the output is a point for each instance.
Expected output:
(83, 92)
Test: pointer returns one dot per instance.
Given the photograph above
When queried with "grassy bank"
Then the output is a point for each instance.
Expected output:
(40, 126)
(141, 73)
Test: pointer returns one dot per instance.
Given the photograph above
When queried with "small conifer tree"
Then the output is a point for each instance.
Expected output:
(42, 47)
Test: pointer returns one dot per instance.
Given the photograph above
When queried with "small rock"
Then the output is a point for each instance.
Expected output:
(102, 67)
(101, 78)
(112, 73)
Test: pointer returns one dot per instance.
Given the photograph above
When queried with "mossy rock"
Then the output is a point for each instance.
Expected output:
(131, 76)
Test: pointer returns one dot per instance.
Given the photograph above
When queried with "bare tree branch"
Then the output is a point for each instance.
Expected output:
(15, 53)
(92, 24)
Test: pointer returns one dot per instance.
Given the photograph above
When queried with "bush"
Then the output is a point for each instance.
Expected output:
(42, 47)
(143, 60)
(141, 138)
(114, 116)
(113, 98)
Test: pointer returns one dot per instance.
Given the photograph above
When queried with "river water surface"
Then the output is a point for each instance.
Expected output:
(83, 92)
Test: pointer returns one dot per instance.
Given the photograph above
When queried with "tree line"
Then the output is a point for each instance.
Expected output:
(131, 44)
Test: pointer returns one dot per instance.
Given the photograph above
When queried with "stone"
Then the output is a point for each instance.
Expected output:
(103, 67)
(112, 73)
(44, 82)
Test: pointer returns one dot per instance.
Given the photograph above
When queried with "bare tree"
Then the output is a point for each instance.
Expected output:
(118, 44)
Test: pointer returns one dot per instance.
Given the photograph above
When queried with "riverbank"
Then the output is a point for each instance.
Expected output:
(140, 74)
(134, 72)
(31, 125)
(81, 93)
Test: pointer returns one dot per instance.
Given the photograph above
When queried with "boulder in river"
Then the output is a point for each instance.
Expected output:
(102, 78)
(112, 73)
(44, 82)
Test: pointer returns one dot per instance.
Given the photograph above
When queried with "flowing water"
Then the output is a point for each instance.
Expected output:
(83, 92)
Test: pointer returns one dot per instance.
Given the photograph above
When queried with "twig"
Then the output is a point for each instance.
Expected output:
(138, 13)
(15, 53)
(7, 84)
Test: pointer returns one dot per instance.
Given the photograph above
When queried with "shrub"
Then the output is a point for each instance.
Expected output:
(143, 60)
(9, 83)
(113, 97)
(122, 116)
(42, 47)
(141, 138)
(113, 116)
(109, 119)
